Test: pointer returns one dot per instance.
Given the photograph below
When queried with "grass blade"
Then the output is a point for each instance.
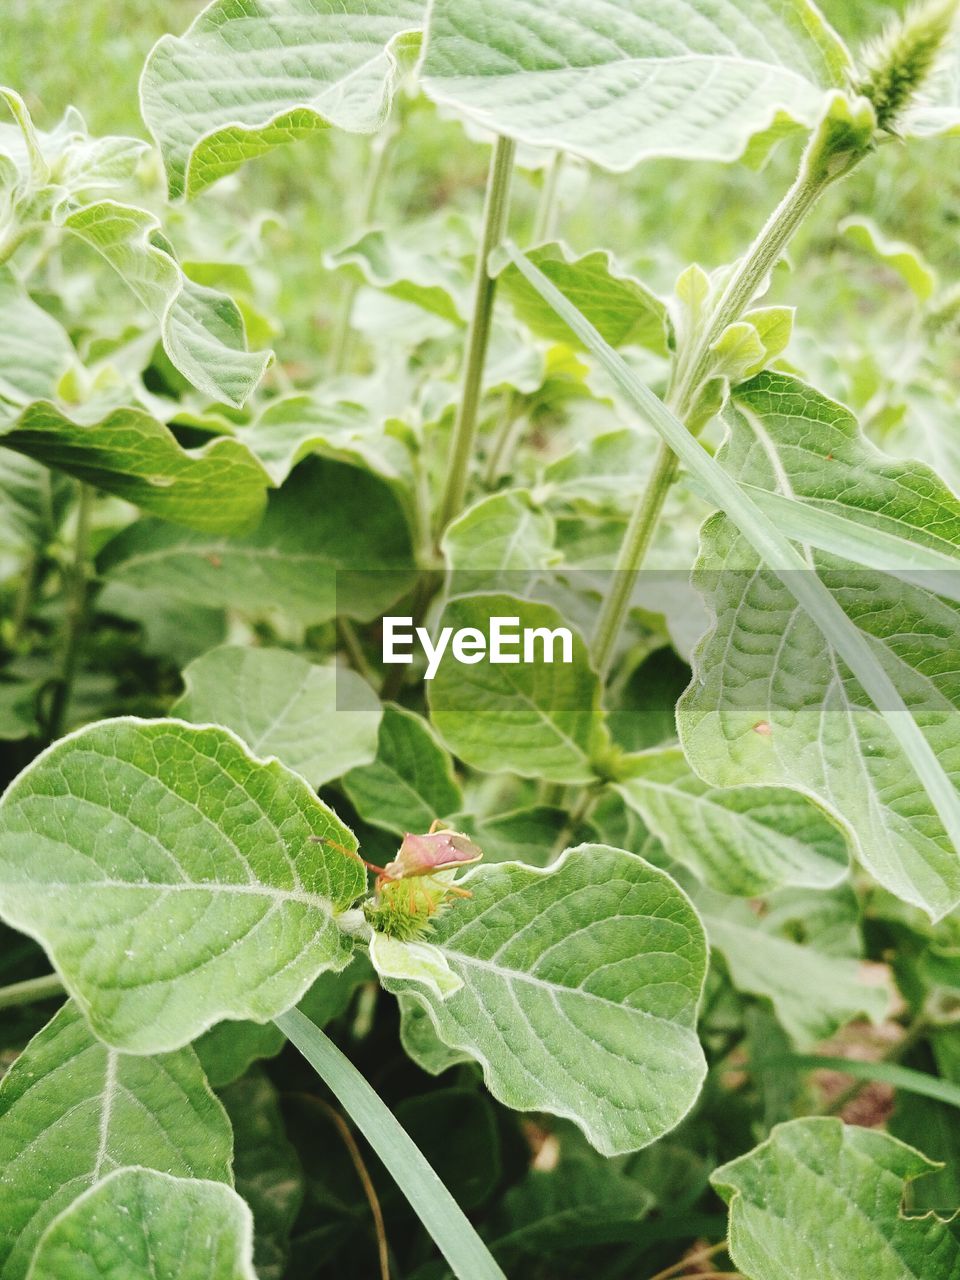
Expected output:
(431, 1201)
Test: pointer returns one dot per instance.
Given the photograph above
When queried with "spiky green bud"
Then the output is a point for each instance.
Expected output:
(898, 63)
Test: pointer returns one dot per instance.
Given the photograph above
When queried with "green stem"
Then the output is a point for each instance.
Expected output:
(24, 601)
(511, 428)
(692, 368)
(76, 576)
(478, 337)
(343, 328)
(348, 637)
(433, 1204)
(633, 551)
(544, 226)
(31, 990)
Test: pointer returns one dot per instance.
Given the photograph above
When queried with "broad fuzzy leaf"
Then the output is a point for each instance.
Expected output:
(202, 330)
(145, 1225)
(408, 271)
(248, 76)
(268, 1170)
(790, 1196)
(621, 82)
(220, 488)
(291, 562)
(770, 703)
(538, 719)
(291, 428)
(622, 309)
(35, 350)
(73, 1110)
(411, 781)
(173, 878)
(580, 991)
(740, 840)
(813, 992)
(283, 706)
(501, 535)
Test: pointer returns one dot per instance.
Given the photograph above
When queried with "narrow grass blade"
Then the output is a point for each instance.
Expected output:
(431, 1201)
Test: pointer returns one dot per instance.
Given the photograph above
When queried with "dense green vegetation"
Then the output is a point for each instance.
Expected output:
(638, 325)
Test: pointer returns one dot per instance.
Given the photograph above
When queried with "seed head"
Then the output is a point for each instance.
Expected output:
(897, 64)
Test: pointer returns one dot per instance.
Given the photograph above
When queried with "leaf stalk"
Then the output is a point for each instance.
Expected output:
(465, 426)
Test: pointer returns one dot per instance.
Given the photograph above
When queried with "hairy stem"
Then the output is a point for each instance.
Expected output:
(633, 552)
(692, 368)
(77, 590)
(343, 328)
(544, 227)
(478, 336)
(30, 991)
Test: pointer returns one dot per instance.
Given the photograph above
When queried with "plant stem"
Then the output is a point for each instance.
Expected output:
(633, 551)
(744, 284)
(343, 1129)
(31, 990)
(478, 336)
(76, 612)
(347, 634)
(511, 427)
(433, 1204)
(343, 331)
(24, 600)
(691, 1260)
(544, 227)
(693, 367)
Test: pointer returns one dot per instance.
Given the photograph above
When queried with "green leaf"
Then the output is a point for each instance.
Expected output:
(73, 1110)
(219, 488)
(145, 1225)
(536, 719)
(625, 83)
(504, 534)
(791, 570)
(421, 1042)
(33, 504)
(619, 307)
(245, 78)
(35, 350)
(740, 840)
(813, 991)
(267, 1168)
(292, 427)
(405, 268)
(227, 1050)
(791, 715)
(906, 260)
(417, 962)
(581, 987)
(292, 561)
(173, 878)
(411, 781)
(282, 705)
(788, 1196)
(202, 330)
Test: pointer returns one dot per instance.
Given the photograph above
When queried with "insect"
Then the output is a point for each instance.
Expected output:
(415, 884)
